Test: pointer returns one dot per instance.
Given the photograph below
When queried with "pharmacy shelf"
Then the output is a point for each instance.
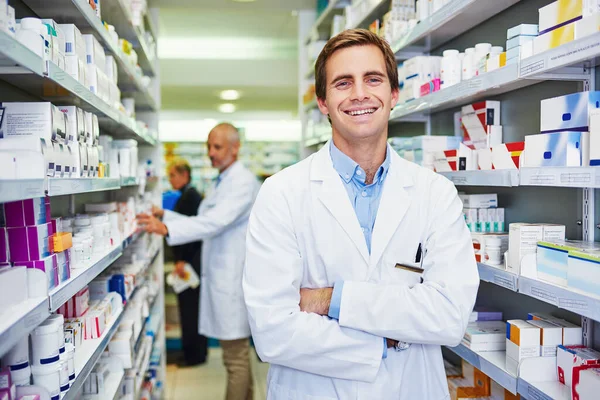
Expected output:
(20, 320)
(21, 189)
(322, 26)
(119, 15)
(449, 22)
(577, 177)
(129, 181)
(88, 354)
(543, 390)
(569, 299)
(65, 186)
(14, 54)
(112, 384)
(503, 80)
(376, 9)
(498, 178)
(498, 276)
(584, 52)
(82, 276)
(491, 363)
(80, 13)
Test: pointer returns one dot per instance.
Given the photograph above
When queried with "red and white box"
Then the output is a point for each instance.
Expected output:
(586, 382)
(430, 87)
(507, 155)
(569, 357)
(95, 323)
(77, 305)
(481, 124)
(445, 161)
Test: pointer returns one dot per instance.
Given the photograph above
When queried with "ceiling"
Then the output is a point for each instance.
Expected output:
(206, 46)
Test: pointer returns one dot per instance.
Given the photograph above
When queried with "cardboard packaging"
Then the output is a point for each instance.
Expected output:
(568, 113)
(522, 30)
(523, 239)
(572, 334)
(25, 212)
(558, 149)
(74, 42)
(569, 357)
(48, 265)
(479, 200)
(583, 271)
(554, 38)
(507, 155)
(594, 144)
(485, 336)
(522, 341)
(518, 41)
(479, 245)
(481, 314)
(29, 243)
(587, 26)
(476, 119)
(434, 143)
(586, 382)
(550, 339)
(40, 120)
(553, 259)
(558, 13)
(75, 121)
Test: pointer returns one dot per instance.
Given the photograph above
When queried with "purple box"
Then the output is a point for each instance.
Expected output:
(48, 265)
(56, 225)
(29, 243)
(63, 261)
(485, 314)
(25, 212)
(3, 246)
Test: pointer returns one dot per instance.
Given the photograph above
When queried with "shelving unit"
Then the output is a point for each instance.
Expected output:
(27, 77)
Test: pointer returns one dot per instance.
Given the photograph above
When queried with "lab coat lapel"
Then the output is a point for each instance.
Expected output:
(335, 197)
(394, 204)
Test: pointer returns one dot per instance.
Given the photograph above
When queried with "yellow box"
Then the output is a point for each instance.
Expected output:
(559, 12)
(554, 38)
(62, 241)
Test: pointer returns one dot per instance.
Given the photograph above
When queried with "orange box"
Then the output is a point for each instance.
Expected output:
(62, 241)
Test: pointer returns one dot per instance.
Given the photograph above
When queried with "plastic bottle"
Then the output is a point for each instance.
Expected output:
(468, 64)
(450, 69)
(482, 50)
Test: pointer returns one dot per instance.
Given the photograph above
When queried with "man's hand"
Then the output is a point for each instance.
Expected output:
(315, 301)
(157, 211)
(391, 343)
(179, 269)
(152, 224)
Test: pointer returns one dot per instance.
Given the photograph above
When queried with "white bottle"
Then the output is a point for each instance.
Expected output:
(468, 64)
(450, 71)
(481, 52)
(29, 34)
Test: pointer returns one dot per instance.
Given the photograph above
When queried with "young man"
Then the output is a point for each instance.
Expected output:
(195, 346)
(221, 224)
(359, 265)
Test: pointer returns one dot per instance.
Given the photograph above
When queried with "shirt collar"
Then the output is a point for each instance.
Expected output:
(347, 167)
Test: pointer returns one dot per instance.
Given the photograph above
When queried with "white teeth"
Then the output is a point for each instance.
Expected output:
(361, 112)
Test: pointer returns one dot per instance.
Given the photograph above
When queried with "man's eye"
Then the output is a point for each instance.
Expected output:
(342, 84)
(375, 80)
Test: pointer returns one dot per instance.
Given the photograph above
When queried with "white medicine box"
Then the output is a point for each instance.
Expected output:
(568, 113)
(41, 120)
(476, 122)
(558, 149)
(522, 240)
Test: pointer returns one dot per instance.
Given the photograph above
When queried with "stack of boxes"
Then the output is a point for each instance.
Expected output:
(419, 72)
(399, 20)
(557, 24)
(523, 240)
(468, 382)
(519, 42)
(565, 140)
(75, 53)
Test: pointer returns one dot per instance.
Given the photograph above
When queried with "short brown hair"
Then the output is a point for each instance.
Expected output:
(351, 38)
(181, 165)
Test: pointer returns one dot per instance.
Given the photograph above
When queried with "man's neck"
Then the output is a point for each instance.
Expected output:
(369, 154)
(227, 167)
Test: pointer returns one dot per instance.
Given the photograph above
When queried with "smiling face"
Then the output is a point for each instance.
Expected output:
(359, 96)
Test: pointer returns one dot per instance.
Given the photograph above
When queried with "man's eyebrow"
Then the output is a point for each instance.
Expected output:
(340, 77)
(374, 73)
(348, 76)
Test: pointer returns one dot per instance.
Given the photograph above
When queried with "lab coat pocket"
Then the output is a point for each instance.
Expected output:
(405, 273)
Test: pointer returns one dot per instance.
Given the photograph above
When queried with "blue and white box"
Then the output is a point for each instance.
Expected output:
(584, 271)
(436, 143)
(518, 41)
(523, 29)
(559, 149)
(595, 139)
(568, 113)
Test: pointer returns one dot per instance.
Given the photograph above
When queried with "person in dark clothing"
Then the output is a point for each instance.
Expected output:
(195, 346)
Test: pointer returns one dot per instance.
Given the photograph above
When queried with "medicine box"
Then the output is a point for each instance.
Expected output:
(75, 122)
(584, 271)
(587, 26)
(513, 52)
(30, 119)
(435, 143)
(94, 51)
(485, 336)
(29, 243)
(479, 200)
(471, 218)
(550, 337)
(517, 41)
(13, 287)
(485, 314)
(569, 357)
(462, 388)
(522, 341)
(554, 38)
(590, 7)
(522, 240)
(526, 50)
(4, 257)
(568, 113)
(507, 155)
(478, 379)
(74, 42)
(588, 382)
(522, 30)
(553, 259)
(558, 13)
(484, 159)
(479, 245)
(553, 232)
(557, 149)
(594, 145)
(445, 161)
(475, 121)
(25, 212)
(572, 334)
(48, 265)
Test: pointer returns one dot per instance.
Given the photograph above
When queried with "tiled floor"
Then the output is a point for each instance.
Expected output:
(207, 382)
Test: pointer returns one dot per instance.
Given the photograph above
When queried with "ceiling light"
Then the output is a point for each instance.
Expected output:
(227, 108)
(230, 95)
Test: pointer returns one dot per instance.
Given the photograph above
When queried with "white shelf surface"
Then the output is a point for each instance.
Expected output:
(88, 354)
(578, 177)
(450, 21)
(60, 186)
(492, 363)
(82, 276)
(498, 276)
(504, 178)
(21, 189)
(490, 84)
(543, 390)
(129, 181)
(20, 320)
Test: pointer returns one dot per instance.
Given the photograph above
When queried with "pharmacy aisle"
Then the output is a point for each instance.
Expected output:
(501, 98)
(81, 294)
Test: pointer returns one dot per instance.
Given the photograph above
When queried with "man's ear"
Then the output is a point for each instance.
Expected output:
(395, 96)
(322, 106)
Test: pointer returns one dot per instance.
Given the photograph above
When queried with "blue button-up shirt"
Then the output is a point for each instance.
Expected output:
(365, 199)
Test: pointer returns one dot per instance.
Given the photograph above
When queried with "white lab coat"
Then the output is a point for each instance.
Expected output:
(221, 224)
(303, 232)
